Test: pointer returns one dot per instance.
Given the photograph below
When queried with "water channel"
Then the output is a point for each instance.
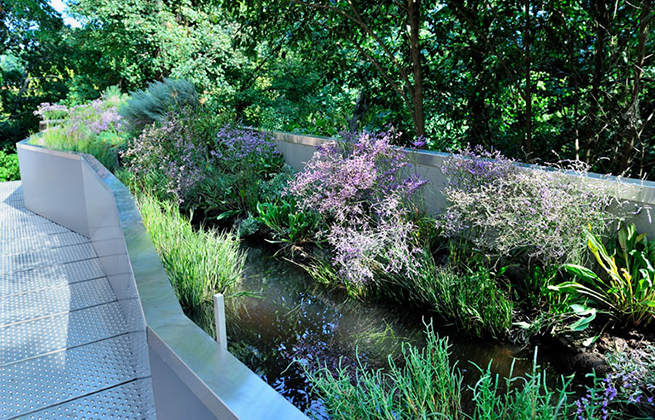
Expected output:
(293, 323)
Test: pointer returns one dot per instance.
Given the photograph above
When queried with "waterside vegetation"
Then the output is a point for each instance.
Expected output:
(496, 263)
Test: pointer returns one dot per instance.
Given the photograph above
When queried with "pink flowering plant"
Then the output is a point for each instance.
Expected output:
(508, 212)
(362, 188)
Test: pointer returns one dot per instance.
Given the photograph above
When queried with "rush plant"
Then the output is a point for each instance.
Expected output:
(199, 263)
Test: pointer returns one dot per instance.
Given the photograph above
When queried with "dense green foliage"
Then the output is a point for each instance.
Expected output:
(527, 78)
(9, 170)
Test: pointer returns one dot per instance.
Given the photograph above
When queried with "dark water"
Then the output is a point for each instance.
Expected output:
(294, 324)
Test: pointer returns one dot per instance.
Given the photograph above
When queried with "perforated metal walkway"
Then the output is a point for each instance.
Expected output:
(66, 349)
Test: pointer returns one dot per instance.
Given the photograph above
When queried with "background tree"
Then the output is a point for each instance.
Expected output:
(32, 64)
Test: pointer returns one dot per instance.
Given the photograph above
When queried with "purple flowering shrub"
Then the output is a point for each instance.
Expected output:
(244, 169)
(47, 111)
(190, 157)
(505, 210)
(82, 122)
(238, 149)
(360, 188)
(628, 388)
(170, 156)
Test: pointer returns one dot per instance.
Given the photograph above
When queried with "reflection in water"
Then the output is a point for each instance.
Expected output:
(294, 324)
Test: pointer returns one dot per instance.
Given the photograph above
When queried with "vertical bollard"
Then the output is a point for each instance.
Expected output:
(219, 319)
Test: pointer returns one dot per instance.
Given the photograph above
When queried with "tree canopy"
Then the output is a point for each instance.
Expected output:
(539, 80)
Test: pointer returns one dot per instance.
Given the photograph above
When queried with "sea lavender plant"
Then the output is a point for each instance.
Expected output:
(507, 210)
(236, 148)
(360, 188)
(47, 111)
(171, 152)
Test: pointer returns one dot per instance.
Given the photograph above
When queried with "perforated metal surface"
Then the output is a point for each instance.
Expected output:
(69, 329)
(26, 306)
(44, 277)
(20, 245)
(31, 230)
(66, 347)
(117, 403)
(65, 375)
(45, 257)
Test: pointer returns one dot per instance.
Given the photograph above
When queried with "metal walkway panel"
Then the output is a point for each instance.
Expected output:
(116, 403)
(20, 245)
(66, 375)
(67, 349)
(47, 277)
(31, 230)
(46, 335)
(12, 218)
(31, 305)
(46, 257)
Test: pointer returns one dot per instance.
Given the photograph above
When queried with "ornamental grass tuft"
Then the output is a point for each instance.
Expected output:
(199, 263)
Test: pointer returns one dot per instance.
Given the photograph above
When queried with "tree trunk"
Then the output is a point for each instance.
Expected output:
(416, 91)
(632, 115)
(601, 22)
(528, 87)
(361, 106)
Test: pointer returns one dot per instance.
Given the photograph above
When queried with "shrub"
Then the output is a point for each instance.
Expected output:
(508, 212)
(219, 170)
(359, 188)
(157, 101)
(245, 169)
(9, 170)
(199, 263)
(620, 394)
(170, 151)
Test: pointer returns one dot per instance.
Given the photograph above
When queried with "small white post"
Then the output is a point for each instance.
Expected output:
(219, 319)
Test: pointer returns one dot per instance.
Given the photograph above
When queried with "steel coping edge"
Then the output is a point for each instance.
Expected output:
(224, 385)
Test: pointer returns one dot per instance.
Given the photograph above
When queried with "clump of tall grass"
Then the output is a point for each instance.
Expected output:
(426, 386)
(150, 105)
(518, 398)
(199, 263)
(471, 299)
